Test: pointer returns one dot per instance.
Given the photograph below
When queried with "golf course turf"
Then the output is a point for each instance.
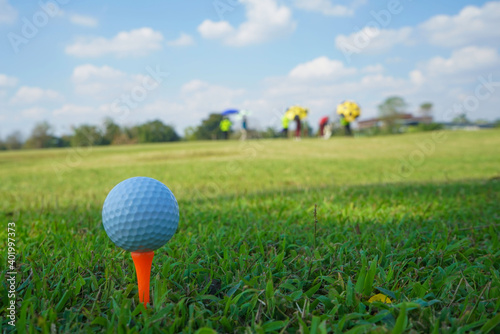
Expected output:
(415, 217)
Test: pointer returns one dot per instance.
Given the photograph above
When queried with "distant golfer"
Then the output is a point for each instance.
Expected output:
(225, 127)
(284, 122)
(322, 124)
(244, 128)
(346, 124)
(297, 127)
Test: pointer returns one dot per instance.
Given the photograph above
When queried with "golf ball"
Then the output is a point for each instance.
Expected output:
(140, 214)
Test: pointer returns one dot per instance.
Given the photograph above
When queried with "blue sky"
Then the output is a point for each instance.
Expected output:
(72, 62)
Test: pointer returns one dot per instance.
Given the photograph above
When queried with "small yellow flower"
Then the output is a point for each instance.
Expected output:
(380, 298)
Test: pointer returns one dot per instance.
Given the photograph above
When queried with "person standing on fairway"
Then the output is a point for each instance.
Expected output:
(284, 122)
(347, 125)
(244, 128)
(225, 127)
(322, 124)
(297, 127)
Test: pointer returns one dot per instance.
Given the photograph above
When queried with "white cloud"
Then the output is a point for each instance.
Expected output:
(83, 20)
(8, 14)
(215, 96)
(266, 20)
(373, 40)
(193, 86)
(195, 100)
(326, 7)
(367, 85)
(321, 68)
(73, 110)
(34, 113)
(7, 81)
(417, 77)
(468, 59)
(215, 30)
(183, 40)
(473, 25)
(84, 73)
(138, 42)
(463, 66)
(30, 95)
(102, 82)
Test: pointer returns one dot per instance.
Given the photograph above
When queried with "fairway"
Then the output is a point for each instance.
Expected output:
(415, 217)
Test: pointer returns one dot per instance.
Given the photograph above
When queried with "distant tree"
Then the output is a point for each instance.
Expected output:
(155, 132)
(41, 137)
(209, 128)
(124, 139)
(269, 132)
(14, 141)
(390, 110)
(426, 109)
(64, 141)
(461, 119)
(130, 135)
(190, 133)
(111, 131)
(87, 135)
(392, 106)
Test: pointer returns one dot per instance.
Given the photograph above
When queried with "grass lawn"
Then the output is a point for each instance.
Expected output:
(415, 217)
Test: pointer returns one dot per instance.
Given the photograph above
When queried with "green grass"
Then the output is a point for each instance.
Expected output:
(248, 255)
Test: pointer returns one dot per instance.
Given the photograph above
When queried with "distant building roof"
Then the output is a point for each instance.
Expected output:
(406, 119)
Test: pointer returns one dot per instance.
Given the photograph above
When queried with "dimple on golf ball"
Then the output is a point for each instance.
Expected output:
(140, 214)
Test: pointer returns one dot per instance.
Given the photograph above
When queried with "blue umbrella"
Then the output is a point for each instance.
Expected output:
(230, 112)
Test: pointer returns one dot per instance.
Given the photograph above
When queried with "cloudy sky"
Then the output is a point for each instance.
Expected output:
(72, 62)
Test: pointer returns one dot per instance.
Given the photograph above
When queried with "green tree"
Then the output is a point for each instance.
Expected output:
(390, 110)
(209, 128)
(129, 136)
(190, 133)
(156, 132)
(14, 141)
(269, 132)
(426, 109)
(87, 135)
(64, 141)
(41, 137)
(461, 119)
(111, 131)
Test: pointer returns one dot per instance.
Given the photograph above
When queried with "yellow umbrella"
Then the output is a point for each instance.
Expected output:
(296, 111)
(350, 110)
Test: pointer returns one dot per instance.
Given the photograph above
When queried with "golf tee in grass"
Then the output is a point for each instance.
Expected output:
(140, 215)
(142, 262)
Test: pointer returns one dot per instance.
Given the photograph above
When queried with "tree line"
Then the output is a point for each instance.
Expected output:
(110, 133)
